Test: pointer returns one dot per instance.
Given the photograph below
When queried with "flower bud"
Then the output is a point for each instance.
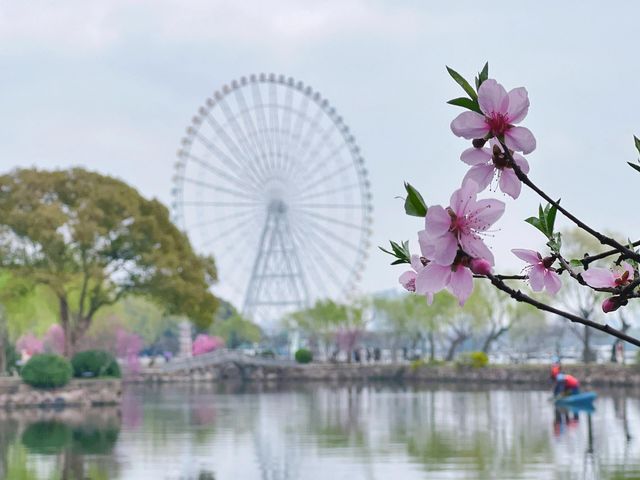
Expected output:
(478, 142)
(480, 266)
(610, 304)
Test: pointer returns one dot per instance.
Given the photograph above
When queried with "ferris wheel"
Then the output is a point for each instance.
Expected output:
(269, 180)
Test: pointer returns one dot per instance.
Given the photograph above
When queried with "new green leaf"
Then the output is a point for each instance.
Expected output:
(463, 83)
(414, 203)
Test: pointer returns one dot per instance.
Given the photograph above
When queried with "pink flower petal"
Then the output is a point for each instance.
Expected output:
(406, 278)
(469, 125)
(518, 105)
(463, 197)
(476, 156)
(432, 278)
(416, 263)
(529, 256)
(485, 213)
(474, 246)
(446, 248)
(520, 139)
(509, 183)
(426, 244)
(599, 277)
(521, 162)
(552, 282)
(536, 277)
(481, 175)
(628, 268)
(437, 221)
(461, 283)
(492, 97)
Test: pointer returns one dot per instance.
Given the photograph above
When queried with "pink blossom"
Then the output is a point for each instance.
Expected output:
(610, 305)
(408, 278)
(459, 225)
(603, 277)
(205, 343)
(500, 111)
(457, 278)
(541, 275)
(487, 163)
(30, 344)
(480, 266)
(54, 339)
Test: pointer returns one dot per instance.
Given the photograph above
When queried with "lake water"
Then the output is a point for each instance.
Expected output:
(317, 431)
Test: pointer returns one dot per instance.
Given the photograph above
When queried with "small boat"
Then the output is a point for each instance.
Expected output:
(577, 399)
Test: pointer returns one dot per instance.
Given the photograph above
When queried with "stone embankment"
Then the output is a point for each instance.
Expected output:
(244, 369)
(14, 393)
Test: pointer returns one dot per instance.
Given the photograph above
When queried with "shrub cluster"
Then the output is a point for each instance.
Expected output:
(303, 355)
(47, 370)
(95, 363)
(473, 359)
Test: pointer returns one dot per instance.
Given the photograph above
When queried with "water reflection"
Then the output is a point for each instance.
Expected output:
(210, 432)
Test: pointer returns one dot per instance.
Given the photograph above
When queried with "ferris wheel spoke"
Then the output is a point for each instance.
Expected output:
(335, 221)
(231, 163)
(312, 182)
(330, 205)
(274, 123)
(285, 127)
(296, 133)
(210, 186)
(262, 122)
(204, 203)
(332, 235)
(224, 218)
(247, 119)
(326, 247)
(221, 173)
(305, 140)
(344, 188)
(236, 228)
(313, 257)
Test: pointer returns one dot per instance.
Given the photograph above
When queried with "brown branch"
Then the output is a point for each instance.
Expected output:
(521, 297)
(603, 239)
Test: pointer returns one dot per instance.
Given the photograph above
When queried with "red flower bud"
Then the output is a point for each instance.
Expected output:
(480, 266)
(610, 305)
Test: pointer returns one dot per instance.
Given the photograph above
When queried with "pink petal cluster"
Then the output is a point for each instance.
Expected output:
(500, 111)
(603, 277)
(487, 163)
(456, 278)
(408, 278)
(205, 343)
(541, 275)
(459, 226)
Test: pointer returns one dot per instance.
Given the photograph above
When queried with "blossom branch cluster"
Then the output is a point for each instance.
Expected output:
(452, 244)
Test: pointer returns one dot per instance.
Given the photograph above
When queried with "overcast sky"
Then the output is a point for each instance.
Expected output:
(112, 85)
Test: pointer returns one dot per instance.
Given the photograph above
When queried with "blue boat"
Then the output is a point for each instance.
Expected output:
(578, 399)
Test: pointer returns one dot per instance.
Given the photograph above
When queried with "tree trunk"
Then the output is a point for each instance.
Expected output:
(455, 343)
(65, 323)
(587, 353)
(4, 341)
(493, 336)
(432, 347)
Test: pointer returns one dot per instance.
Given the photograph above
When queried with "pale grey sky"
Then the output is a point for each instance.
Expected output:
(112, 86)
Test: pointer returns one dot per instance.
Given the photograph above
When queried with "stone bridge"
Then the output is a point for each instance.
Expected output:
(219, 364)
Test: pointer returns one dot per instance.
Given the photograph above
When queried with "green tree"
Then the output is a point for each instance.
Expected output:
(91, 240)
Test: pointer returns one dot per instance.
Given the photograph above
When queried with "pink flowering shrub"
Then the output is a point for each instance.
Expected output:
(128, 346)
(54, 339)
(30, 344)
(206, 343)
(452, 244)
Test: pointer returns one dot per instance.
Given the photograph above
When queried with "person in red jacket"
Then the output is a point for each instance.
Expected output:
(565, 384)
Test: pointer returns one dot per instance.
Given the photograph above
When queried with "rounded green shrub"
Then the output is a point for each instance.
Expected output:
(47, 371)
(48, 437)
(95, 363)
(473, 360)
(303, 355)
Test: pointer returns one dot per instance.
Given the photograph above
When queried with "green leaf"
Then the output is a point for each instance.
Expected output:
(399, 251)
(467, 103)
(536, 223)
(551, 216)
(575, 263)
(637, 142)
(634, 166)
(484, 74)
(542, 217)
(463, 83)
(414, 203)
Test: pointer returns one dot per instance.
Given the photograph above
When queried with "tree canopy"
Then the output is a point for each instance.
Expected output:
(92, 240)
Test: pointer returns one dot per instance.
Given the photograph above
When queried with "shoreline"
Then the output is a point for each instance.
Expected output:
(597, 375)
